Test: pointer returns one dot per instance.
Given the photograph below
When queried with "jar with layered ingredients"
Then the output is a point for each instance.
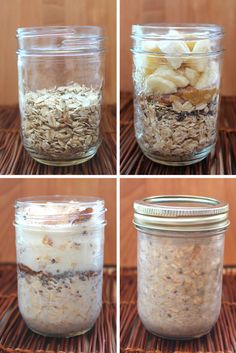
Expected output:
(180, 263)
(61, 74)
(59, 243)
(176, 75)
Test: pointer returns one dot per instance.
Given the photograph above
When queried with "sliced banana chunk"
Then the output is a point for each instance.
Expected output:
(202, 46)
(175, 48)
(199, 63)
(192, 75)
(149, 62)
(209, 77)
(157, 84)
(169, 74)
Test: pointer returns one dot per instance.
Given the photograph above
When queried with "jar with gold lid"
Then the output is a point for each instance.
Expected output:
(180, 263)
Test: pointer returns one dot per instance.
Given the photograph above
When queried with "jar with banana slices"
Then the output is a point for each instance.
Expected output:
(176, 74)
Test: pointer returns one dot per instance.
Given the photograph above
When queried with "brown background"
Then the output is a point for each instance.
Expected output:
(133, 189)
(222, 12)
(11, 189)
(26, 13)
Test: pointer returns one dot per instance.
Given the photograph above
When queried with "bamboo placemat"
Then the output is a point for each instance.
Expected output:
(221, 161)
(135, 339)
(15, 160)
(15, 337)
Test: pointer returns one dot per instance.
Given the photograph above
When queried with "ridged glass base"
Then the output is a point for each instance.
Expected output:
(181, 338)
(67, 335)
(64, 163)
(195, 158)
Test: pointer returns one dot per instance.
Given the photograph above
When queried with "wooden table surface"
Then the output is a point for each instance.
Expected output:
(222, 161)
(16, 161)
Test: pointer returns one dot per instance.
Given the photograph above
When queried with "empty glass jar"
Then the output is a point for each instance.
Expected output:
(180, 263)
(60, 246)
(176, 75)
(61, 77)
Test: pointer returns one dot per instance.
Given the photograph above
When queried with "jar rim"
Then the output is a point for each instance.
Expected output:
(82, 31)
(181, 212)
(59, 199)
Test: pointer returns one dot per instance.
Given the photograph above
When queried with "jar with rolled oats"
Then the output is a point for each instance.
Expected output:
(61, 74)
(59, 243)
(180, 263)
(176, 75)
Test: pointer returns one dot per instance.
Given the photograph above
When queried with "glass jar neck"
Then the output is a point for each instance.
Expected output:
(169, 31)
(183, 235)
(208, 36)
(60, 40)
(59, 211)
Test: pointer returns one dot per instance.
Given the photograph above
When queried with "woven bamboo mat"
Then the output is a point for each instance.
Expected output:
(15, 337)
(135, 339)
(221, 161)
(15, 160)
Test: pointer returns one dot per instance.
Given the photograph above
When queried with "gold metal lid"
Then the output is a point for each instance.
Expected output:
(180, 213)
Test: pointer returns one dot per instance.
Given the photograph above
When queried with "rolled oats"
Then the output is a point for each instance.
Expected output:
(179, 284)
(175, 130)
(61, 123)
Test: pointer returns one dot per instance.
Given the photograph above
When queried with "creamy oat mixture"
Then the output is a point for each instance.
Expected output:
(176, 98)
(60, 271)
(61, 123)
(179, 284)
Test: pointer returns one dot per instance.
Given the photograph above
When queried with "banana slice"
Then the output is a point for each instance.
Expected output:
(151, 62)
(169, 74)
(199, 63)
(175, 47)
(157, 84)
(209, 77)
(192, 75)
(202, 46)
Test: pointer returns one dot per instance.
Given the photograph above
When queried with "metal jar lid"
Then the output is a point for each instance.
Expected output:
(180, 213)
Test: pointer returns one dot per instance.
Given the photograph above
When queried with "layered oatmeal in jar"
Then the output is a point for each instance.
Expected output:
(180, 264)
(59, 243)
(176, 76)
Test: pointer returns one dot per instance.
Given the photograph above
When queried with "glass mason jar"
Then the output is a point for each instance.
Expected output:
(180, 263)
(59, 244)
(176, 75)
(60, 72)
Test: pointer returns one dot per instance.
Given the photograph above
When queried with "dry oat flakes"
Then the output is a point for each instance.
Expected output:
(175, 130)
(61, 123)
